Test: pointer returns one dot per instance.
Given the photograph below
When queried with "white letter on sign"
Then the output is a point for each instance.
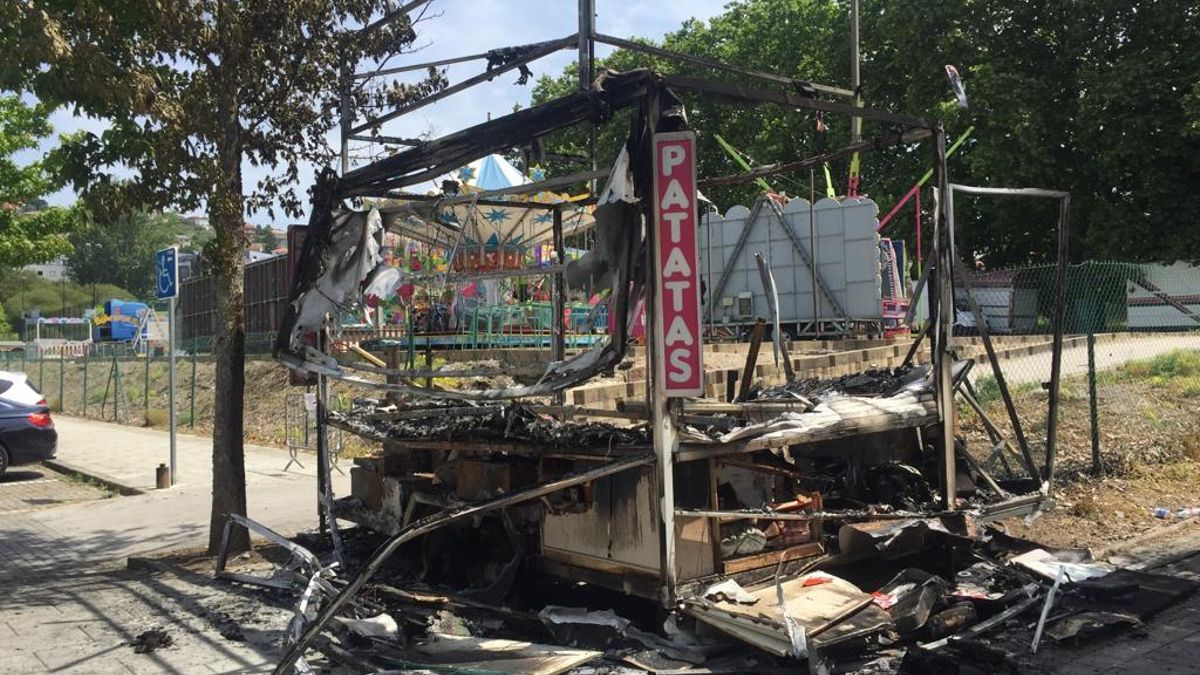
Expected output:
(682, 369)
(675, 218)
(678, 333)
(677, 288)
(674, 196)
(672, 156)
(676, 265)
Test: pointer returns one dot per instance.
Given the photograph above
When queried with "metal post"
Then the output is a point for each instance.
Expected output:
(170, 383)
(855, 73)
(345, 121)
(943, 355)
(116, 377)
(812, 246)
(322, 437)
(41, 370)
(192, 419)
(87, 348)
(586, 47)
(1091, 349)
(146, 384)
(558, 304)
(62, 381)
(1060, 310)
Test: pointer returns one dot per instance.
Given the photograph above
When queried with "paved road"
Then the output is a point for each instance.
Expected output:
(24, 489)
(1109, 354)
(68, 605)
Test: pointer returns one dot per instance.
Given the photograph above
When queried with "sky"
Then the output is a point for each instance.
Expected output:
(462, 27)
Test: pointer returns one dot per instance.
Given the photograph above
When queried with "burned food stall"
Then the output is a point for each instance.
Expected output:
(673, 495)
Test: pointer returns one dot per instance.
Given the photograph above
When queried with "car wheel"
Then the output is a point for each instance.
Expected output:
(3, 459)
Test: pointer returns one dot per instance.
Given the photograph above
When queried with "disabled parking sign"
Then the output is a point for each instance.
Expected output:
(166, 273)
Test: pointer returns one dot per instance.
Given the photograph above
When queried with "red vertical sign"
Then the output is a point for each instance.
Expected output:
(676, 254)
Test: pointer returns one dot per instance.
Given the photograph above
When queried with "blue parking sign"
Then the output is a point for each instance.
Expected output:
(166, 273)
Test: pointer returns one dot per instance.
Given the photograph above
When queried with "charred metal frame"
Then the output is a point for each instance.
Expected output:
(1045, 474)
(380, 180)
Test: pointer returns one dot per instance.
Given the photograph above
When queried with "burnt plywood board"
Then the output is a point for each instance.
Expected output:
(618, 525)
(470, 654)
(619, 529)
(816, 601)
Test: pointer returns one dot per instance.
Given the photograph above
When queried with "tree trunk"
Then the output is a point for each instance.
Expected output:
(226, 211)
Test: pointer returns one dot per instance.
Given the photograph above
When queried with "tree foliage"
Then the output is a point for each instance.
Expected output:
(23, 293)
(30, 231)
(120, 251)
(190, 90)
(1098, 97)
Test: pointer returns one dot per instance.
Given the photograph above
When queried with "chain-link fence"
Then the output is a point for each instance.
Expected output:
(1130, 363)
(117, 381)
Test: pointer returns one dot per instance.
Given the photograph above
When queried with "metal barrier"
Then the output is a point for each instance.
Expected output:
(300, 430)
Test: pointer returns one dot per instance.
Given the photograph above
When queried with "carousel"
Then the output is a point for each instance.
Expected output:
(454, 262)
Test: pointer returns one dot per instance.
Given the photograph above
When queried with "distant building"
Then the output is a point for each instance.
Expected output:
(54, 270)
(199, 222)
(189, 265)
(255, 256)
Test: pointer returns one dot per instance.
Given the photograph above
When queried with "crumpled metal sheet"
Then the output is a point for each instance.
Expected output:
(350, 257)
(512, 422)
(870, 382)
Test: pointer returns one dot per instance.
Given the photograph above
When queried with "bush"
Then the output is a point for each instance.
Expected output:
(157, 418)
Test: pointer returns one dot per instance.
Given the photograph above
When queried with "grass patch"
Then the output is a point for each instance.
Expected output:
(1164, 368)
(88, 481)
(987, 390)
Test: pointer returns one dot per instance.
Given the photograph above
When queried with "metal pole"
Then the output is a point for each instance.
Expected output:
(170, 384)
(943, 355)
(62, 381)
(812, 246)
(855, 73)
(586, 46)
(87, 348)
(662, 426)
(192, 419)
(558, 306)
(345, 121)
(146, 383)
(1060, 310)
(1091, 348)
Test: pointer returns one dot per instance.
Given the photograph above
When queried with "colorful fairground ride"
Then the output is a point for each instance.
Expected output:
(486, 242)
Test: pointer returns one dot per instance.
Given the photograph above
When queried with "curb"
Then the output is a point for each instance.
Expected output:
(111, 483)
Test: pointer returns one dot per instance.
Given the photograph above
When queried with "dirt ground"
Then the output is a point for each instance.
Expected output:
(1149, 446)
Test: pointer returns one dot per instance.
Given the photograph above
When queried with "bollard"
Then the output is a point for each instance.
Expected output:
(162, 477)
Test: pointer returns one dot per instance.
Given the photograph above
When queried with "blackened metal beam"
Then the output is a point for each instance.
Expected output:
(420, 66)
(426, 525)
(546, 49)
(392, 16)
(558, 343)
(394, 140)
(717, 65)
(981, 325)
(914, 135)
(1060, 310)
(745, 94)
(943, 355)
(530, 188)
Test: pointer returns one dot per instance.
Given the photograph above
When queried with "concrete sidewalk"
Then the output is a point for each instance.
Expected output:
(159, 520)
